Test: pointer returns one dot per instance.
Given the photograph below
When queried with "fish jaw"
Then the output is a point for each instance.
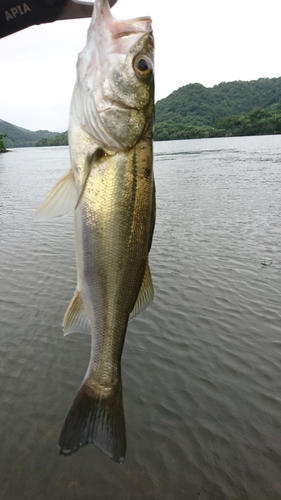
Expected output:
(108, 92)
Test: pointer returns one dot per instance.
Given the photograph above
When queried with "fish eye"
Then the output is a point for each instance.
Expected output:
(143, 66)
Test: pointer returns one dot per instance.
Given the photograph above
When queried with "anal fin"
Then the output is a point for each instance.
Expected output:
(75, 319)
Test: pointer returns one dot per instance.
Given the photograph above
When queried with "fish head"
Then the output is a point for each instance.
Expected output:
(113, 98)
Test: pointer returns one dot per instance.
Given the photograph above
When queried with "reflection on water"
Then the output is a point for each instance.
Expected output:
(201, 366)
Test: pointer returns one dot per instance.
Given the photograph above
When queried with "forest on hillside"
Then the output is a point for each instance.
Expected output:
(18, 137)
(57, 140)
(193, 111)
(232, 108)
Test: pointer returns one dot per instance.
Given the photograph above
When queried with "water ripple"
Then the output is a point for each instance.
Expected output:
(201, 366)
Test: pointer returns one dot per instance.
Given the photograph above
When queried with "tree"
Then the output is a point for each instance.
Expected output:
(2, 145)
(58, 140)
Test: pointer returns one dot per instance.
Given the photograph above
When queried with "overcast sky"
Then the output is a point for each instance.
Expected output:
(205, 41)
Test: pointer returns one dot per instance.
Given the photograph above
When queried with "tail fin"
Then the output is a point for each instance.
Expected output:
(97, 418)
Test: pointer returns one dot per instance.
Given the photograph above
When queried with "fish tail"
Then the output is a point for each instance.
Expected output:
(96, 417)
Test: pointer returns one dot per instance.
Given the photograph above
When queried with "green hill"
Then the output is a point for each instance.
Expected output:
(18, 137)
(192, 111)
(198, 111)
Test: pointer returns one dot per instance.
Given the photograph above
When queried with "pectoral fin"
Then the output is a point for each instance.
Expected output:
(87, 170)
(145, 295)
(61, 199)
(75, 319)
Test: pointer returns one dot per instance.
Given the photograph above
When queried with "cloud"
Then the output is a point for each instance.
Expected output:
(206, 42)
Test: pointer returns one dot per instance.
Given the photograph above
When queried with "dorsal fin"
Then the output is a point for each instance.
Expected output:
(145, 295)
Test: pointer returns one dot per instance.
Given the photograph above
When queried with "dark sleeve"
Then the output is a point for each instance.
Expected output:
(16, 15)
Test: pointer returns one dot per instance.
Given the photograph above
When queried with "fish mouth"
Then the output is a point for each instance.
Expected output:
(112, 103)
(134, 30)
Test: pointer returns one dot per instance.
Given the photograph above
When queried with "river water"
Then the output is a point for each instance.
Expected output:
(201, 366)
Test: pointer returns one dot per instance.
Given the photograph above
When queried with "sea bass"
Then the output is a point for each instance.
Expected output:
(110, 186)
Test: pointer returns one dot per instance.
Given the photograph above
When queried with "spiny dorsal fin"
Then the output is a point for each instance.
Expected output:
(145, 295)
(75, 319)
(60, 200)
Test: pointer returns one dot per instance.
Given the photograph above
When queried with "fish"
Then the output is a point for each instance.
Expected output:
(111, 189)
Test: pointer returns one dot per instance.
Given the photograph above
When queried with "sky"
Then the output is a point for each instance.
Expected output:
(204, 41)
